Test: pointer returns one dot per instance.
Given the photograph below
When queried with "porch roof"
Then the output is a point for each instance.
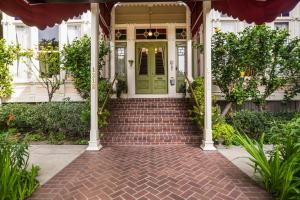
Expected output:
(43, 13)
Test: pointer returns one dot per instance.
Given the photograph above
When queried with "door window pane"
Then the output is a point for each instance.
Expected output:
(143, 61)
(159, 61)
(181, 59)
(121, 60)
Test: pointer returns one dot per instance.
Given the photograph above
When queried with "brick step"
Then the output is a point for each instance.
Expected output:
(150, 120)
(165, 113)
(150, 139)
(150, 128)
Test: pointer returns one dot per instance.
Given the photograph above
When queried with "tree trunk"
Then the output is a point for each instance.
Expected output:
(226, 109)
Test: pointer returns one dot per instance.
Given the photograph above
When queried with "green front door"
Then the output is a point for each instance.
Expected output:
(151, 68)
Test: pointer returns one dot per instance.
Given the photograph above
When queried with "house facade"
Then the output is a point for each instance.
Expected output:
(151, 47)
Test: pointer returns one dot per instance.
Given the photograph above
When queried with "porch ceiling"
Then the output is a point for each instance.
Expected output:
(43, 13)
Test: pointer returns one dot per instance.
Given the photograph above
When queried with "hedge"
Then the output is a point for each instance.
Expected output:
(63, 117)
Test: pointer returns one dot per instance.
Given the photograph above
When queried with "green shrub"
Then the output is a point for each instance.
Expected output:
(226, 131)
(56, 138)
(64, 117)
(16, 181)
(253, 124)
(77, 61)
(81, 142)
(34, 137)
(198, 112)
(280, 175)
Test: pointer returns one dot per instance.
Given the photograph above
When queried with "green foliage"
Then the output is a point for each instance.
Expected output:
(286, 136)
(254, 58)
(227, 65)
(64, 117)
(263, 49)
(279, 174)
(8, 54)
(291, 66)
(16, 181)
(56, 138)
(34, 137)
(121, 87)
(224, 130)
(77, 61)
(198, 111)
(253, 124)
(81, 142)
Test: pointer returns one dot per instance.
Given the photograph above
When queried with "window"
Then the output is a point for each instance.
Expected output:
(181, 62)
(121, 34)
(151, 34)
(23, 36)
(143, 62)
(228, 26)
(20, 70)
(285, 14)
(49, 34)
(181, 34)
(281, 25)
(159, 61)
(121, 60)
(47, 37)
(181, 59)
(74, 31)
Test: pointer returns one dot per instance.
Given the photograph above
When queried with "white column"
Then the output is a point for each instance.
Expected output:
(207, 143)
(94, 143)
(171, 59)
(131, 58)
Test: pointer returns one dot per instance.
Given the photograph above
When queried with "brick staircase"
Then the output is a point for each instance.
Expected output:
(150, 122)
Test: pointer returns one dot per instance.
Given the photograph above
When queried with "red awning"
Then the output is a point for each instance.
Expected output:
(43, 15)
(257, 11)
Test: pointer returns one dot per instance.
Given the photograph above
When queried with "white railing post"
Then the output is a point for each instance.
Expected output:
(94, 143)
(207, 143)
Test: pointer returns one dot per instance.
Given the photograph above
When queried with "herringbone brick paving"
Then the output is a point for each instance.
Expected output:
(153, 173)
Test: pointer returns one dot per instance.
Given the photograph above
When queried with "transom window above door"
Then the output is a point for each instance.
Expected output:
(151, 34)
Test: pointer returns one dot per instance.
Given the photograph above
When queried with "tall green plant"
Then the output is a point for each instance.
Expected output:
(16, 181)
(279, 175)
(198, 110)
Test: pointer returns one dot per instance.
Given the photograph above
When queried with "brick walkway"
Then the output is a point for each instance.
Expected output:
(154, 173)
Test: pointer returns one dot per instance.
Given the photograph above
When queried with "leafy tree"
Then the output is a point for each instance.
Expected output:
(249, 65)
(228, 67)
(77, 61)
(8, 54)
(49, 66)
(292, 68)
(262, 50)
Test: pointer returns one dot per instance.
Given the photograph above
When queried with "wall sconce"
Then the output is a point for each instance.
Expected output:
(130, 63)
